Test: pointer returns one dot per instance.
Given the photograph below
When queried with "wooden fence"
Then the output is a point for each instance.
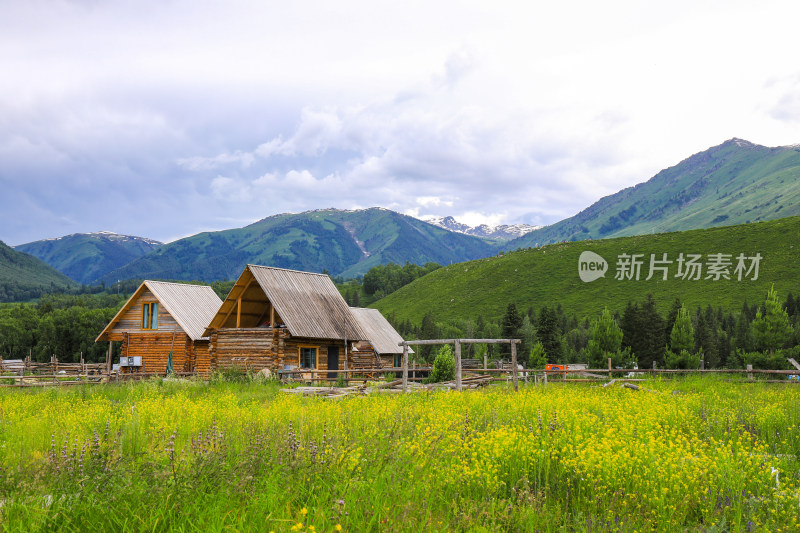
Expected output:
(28, 373)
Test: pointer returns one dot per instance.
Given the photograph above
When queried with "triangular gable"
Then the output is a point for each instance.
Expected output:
(191, 306)
(308, 304)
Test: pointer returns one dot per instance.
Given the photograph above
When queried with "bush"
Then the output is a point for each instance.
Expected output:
(230, 375)
(538, 358)
(444, 366)
(683, 360)
(765, 361)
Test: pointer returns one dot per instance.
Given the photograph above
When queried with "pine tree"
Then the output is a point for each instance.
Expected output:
(510, 326)
(771, 330)
(512, 322)
(791, 305)
(671, 317)
(605, 341)
(428, 330)
(550, 335)
(682, 335)
(743, 334)
(631, 330)
(701, 336)
(538, 357)
(480, 327)
(653, 325)
(528, 335)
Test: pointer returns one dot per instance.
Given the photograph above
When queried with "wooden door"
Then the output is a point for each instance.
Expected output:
(333, 361)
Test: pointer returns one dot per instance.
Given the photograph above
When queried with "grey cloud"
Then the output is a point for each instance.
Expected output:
(787, 106)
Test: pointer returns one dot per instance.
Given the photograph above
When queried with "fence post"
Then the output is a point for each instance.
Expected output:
(485, 362)
(702, 364)
(108, 357)
(514, 364)
(653, 374)
(458, 365)
(609, 368)
(405, 367)
(750, 376)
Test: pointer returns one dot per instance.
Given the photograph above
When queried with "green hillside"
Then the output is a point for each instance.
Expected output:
(549, 275)
(23, 277)
(85, 257)
(344, 243)
(736, 182)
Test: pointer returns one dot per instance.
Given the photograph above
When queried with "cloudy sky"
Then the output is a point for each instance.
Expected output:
(166, 118)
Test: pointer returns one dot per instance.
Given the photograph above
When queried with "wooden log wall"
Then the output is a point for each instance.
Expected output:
(363, 359)
(247, 348)
(153, 348)
(257, 348)
(201, 359)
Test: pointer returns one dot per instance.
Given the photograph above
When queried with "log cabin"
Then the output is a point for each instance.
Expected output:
(382, 346)
(162, 318)
(284, 319)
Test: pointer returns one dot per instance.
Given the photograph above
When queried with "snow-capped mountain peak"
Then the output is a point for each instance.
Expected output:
(504, 232)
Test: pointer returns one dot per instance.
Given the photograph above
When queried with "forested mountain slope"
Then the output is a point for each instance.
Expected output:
(733, 183)
(23, 277)
(86, 257)
(346, 243)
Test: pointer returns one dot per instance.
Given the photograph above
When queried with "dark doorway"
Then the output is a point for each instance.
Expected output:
(333, 361)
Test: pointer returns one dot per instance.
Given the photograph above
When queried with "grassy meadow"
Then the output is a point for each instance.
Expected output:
(549, 276)
(699, 454)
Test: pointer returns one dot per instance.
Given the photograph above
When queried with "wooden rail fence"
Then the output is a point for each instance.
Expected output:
(28, 373)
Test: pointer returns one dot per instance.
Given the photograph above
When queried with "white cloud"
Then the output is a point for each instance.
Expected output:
(505, 112)
(427, 201)
(209, 163)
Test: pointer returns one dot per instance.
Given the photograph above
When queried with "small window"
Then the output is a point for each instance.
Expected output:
(398, 360)
(150, 316)
(308, 358)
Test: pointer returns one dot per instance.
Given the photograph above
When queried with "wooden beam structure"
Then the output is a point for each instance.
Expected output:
(458, 343)
(462, 341)
(514, 365)
(458, 365)
(238, 312)
(405, 368)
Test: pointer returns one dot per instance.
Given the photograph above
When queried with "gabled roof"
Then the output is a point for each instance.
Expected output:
(308, 303)
(380, 333)
(192, 306)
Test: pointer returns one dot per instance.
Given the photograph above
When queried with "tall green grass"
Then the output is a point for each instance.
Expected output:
(696, 454)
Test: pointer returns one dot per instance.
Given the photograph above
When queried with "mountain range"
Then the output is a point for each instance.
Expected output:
(735, 182)
(85, 257)
(342, 242)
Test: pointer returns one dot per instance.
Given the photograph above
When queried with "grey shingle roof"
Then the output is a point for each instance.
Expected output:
(308, 303)
(380, 333)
